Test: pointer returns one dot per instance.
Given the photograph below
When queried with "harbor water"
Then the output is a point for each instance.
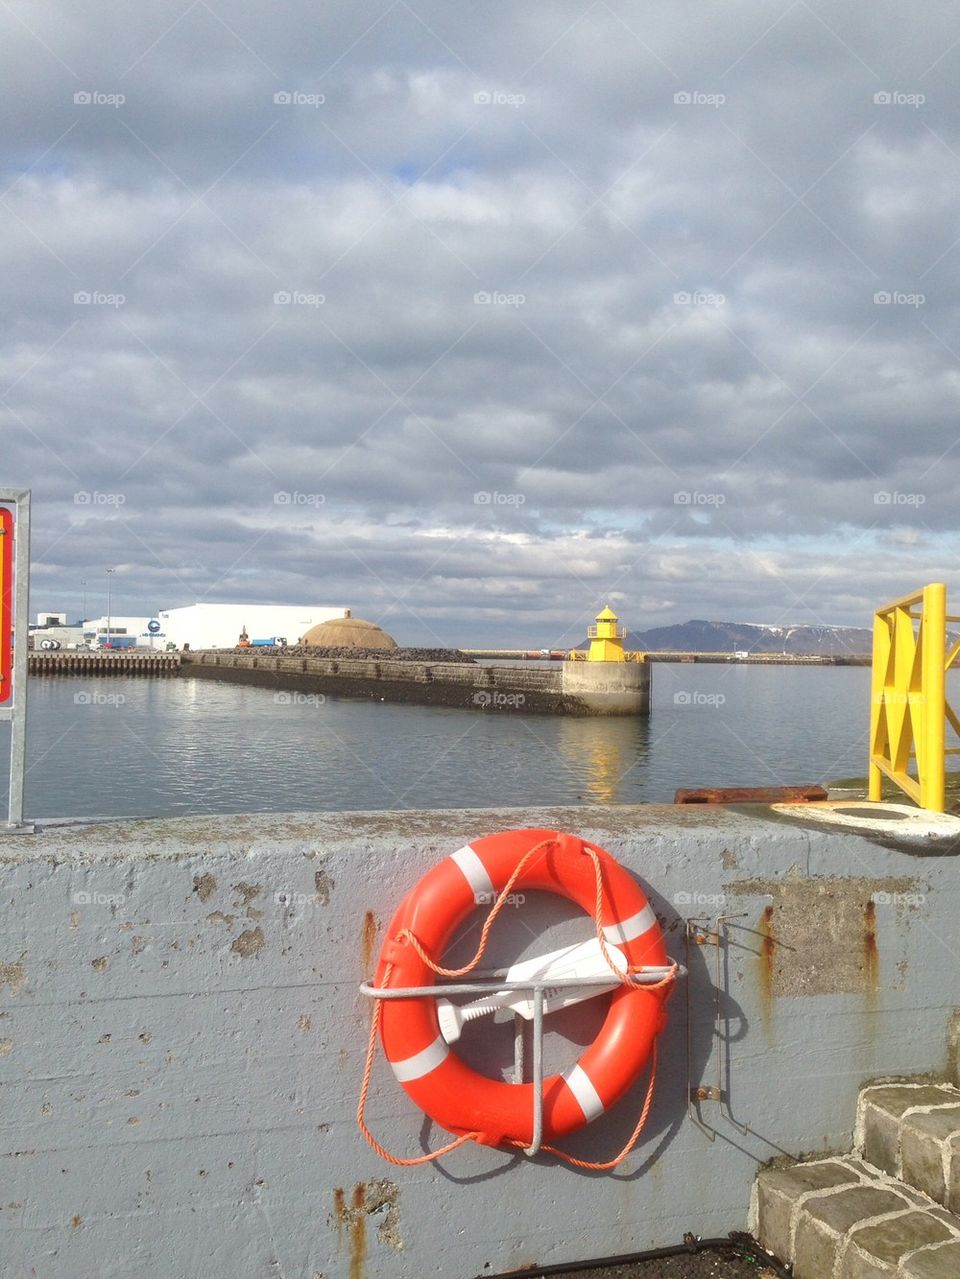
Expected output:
(112, 746)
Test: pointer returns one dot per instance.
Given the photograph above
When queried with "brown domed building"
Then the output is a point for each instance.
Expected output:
(348, 632)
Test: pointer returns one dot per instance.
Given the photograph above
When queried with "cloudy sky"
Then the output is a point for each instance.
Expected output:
(474, 317)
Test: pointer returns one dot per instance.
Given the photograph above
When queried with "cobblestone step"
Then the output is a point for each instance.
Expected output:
(912, 1132)
(841, 1218)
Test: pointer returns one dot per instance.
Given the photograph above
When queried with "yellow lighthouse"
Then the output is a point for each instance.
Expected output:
(606, 638)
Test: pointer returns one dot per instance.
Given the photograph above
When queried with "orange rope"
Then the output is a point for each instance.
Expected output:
(501, 901)
(487, 923)
(365, 1088)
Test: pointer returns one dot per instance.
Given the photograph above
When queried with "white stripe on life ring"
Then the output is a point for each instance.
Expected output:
(628, 929)
(475, 873)
(422, 1063)
(581, 1085)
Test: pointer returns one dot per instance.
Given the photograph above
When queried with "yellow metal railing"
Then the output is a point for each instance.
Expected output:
(909, 710)
(606, 630)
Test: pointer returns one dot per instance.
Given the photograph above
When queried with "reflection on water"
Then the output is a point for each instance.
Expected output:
(601, 754)
(116, 747)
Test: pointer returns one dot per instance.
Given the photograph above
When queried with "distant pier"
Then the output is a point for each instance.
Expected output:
(103, 663)
(676, 655)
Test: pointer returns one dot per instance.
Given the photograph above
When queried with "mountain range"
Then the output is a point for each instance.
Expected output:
(699, 636)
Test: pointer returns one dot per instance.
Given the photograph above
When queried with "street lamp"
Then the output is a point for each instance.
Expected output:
(110, 573)
(83, 588)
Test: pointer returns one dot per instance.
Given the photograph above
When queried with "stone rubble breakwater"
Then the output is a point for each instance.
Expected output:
(567, 688)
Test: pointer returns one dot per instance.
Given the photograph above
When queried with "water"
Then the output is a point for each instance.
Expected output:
(160, 747)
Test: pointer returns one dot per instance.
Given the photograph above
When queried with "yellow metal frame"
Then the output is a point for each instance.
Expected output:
(909, 710)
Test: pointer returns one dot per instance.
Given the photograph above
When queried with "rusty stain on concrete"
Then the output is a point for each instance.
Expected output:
(77, 1222)
(74, 919)
(368, 1199)
(5, 1046)
(218, 917)
(145, 1037)
(100, 964)
(204, 885)
(768, 944)
(368, 939)
(871, 954)
(249, 943)
(324, 886)
(304, 1023)
(138, 944)
(13, 975)
(358, 1232)
(339, 1214)
(812, 937)
(729, 860)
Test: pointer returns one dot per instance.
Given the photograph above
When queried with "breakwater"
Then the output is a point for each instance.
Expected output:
(573, 688)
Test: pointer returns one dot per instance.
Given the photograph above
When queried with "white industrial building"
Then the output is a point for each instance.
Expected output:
(125, 632)
(219, 625)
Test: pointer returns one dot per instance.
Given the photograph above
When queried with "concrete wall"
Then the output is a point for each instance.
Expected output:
(610, 688)
(575, 688)
(181, 1039)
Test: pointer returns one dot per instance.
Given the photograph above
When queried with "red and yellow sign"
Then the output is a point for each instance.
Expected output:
(6, 605)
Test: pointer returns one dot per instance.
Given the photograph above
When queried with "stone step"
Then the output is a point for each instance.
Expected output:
(840, 1218)
(912, 1132)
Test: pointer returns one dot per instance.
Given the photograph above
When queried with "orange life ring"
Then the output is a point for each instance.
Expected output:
(436, 1079)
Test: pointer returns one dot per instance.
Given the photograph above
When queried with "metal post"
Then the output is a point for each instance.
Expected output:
(110, 573)
(930, 765)
(537, 1135)
(19, 499)
(878, 674)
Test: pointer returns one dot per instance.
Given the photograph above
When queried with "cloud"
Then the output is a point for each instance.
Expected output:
(581, 262)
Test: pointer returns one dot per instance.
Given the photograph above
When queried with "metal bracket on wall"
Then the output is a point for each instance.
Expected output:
(700, 933)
